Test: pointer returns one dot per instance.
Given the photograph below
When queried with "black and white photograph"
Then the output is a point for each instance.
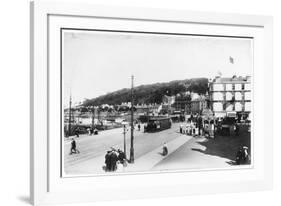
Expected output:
(154, 102)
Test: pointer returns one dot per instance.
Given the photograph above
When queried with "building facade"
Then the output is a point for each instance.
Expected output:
(167, 102)
(230, 96)
(198, 104)
(182, 103)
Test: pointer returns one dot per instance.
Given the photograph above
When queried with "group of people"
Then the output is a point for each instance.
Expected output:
(243, 156)
(113, 158)
(92, 131)
(194, 125)
(190, 128)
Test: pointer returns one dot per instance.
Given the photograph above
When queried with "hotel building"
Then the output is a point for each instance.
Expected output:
(230, 96)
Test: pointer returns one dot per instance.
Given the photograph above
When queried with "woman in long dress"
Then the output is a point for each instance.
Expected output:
(165, 149)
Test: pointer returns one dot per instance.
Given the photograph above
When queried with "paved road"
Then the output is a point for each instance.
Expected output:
(95, 146)
(185, 152)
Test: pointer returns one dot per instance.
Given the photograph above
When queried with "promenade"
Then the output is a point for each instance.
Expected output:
(185, 152)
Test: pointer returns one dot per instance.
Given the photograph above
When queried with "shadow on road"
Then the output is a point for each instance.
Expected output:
(231, 162)
(224, 146)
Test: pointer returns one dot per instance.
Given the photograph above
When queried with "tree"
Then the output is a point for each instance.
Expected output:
(152, 93)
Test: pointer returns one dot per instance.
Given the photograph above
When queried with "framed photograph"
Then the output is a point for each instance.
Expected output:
(141, 103)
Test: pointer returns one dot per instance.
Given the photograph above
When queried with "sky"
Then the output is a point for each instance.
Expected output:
(96, 63)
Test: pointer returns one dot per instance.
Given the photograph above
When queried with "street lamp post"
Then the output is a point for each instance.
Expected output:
(132, 159)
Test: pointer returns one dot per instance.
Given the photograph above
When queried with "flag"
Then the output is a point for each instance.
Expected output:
(231, 60)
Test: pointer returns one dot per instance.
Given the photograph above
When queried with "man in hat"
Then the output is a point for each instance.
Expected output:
(73, 148)
(239, 156)
(108, 161)
(113, 160)
(121, 156)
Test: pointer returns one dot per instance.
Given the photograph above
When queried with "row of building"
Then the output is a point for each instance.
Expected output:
(225, 97)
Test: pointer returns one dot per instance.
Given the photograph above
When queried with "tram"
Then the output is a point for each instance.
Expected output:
(155, 124)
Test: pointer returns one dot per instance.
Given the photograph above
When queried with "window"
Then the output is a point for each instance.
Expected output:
(218, 87)
(248, 106)
(247, 96)
(228, 87)
(238, 87)
(228, 96)
(217, 106)
(229, 107)
(238, 96)
(217, 96)
(238, 106)
(247, 86)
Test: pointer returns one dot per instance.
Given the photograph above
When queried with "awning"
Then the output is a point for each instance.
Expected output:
(231, 114)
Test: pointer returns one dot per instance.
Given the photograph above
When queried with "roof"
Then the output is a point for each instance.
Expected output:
(233, 79)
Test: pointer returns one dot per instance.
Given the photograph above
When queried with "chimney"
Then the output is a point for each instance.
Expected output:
(248, 78)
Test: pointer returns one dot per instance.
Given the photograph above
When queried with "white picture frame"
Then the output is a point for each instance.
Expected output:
(46, 184)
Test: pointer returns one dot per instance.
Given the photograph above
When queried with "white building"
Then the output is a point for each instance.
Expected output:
(230, 96)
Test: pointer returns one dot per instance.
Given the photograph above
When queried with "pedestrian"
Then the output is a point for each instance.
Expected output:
(245, 155)
(92, 130)
(119, 167)
(73, 148)
(192, 131)
(139, 126)
(113, 160)
(206, 129)
(89, 131)
(200, 124)
(181, 128)
(108, 161)
(191, 117)
(196, 131)
(212, 130)
(121, 162)
(184, 130)
(121, 156)
(165, 149)
(239, 156)
(77, 132)
(236, 129)
(189, 129)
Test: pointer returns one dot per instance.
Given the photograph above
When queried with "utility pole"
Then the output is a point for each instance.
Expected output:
(69, 118)
(132, 159)
(93, 116)
(124, 132)
(98, 110)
